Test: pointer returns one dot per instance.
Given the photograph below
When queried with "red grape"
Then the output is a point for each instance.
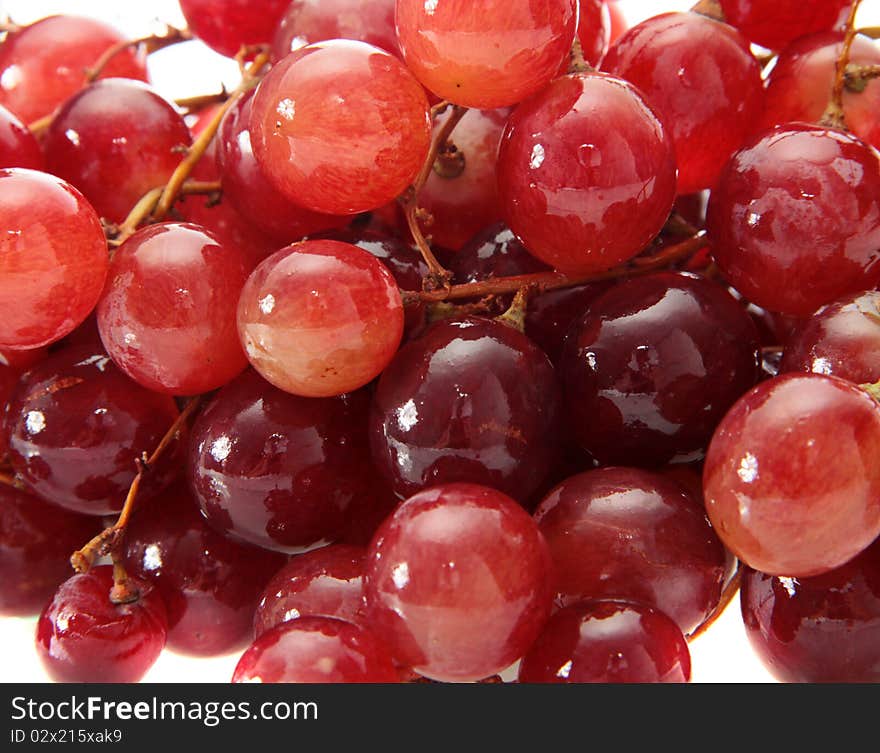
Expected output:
(632, 534)
(166, 315)
(493, 252)
(277, 470)
(114, 141)
(316, 650)
(489, 54)
(53, 258)
(820, 629)
(619, 24)
(608, 642)
(36, 541)
(340, 127)
(320, 318)
(458, 582)
(586, 173)
(326, 582)
(550, 315)
(227, 25)
(45, 63)
(209, 584)
(795, 218)
(790, 483)
(777, 23)
(83, 637)
(18, 146)
(701, 78)
(593, 30)
(76, 425)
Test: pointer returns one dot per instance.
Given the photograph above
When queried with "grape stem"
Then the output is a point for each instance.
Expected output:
(110, 540)
(834, 116)
(727, 594)
(856, 77)
(438, 278)
(543, 281)
(576, 61)
(201, 101)
(710, 9)
(9, 480)
(515, 316)
(870, 31)
(151, 43)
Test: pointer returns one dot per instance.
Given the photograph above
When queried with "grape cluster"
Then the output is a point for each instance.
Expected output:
(461, 338)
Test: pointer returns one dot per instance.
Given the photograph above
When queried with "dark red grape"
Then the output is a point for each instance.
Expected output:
(608, 642)
(458, 582)
(228, 25)
(632, 534)
(84, 637)
(493, 252)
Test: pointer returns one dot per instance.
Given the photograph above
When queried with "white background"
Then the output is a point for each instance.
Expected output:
(722, 654)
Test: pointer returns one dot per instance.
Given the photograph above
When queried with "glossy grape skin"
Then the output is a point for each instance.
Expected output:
(470, 400)
(253, 196)
(551, 314)
(326, 582)
(458, 607)
(340, 127)
(18, 146)
(316, 650)
(820, 629)
(76, 425)
(608, 642)
(166, 315)
(522, 44)
(594, 30)
(632, 534)
(618, 22)
(586, 173)
(307, 21)
(701, 78)
(794, 220)
(493, 252)
(320, 318)
(463, 205)
(777, 23)
(209, 584)
(36, 541)
(83, 637)
(842, 339)
(53, 259)
(227, 25)
(790, 481)
(653, 365)
(800, 84)
(277, 470)
(44, 63)
(114, 141)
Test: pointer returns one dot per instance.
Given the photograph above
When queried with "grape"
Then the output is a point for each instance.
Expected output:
(83, 637)
(340, 127)
(53, 259)
(75, 426)
(790, 484)
(326, 582)
(114, 141)
(619, 24)
(777, 23)
(652, 367)
(277, 470)
(632, 534)
(227, 25)
(489, 54)
(842, 338)
(586, 173)
(209, 584)
(795, 218)
(820, 629)
(464, 204)
(608, 642)
(316, 650)
(307, 21)
(593, 30)
(799, 85)
(458, 582)
(36, 541)
(550, 315)
(45, 63)
(700, 77)
(246, 188)
(166, 317)
(320, 318)
(470, 400)
(18, 146)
